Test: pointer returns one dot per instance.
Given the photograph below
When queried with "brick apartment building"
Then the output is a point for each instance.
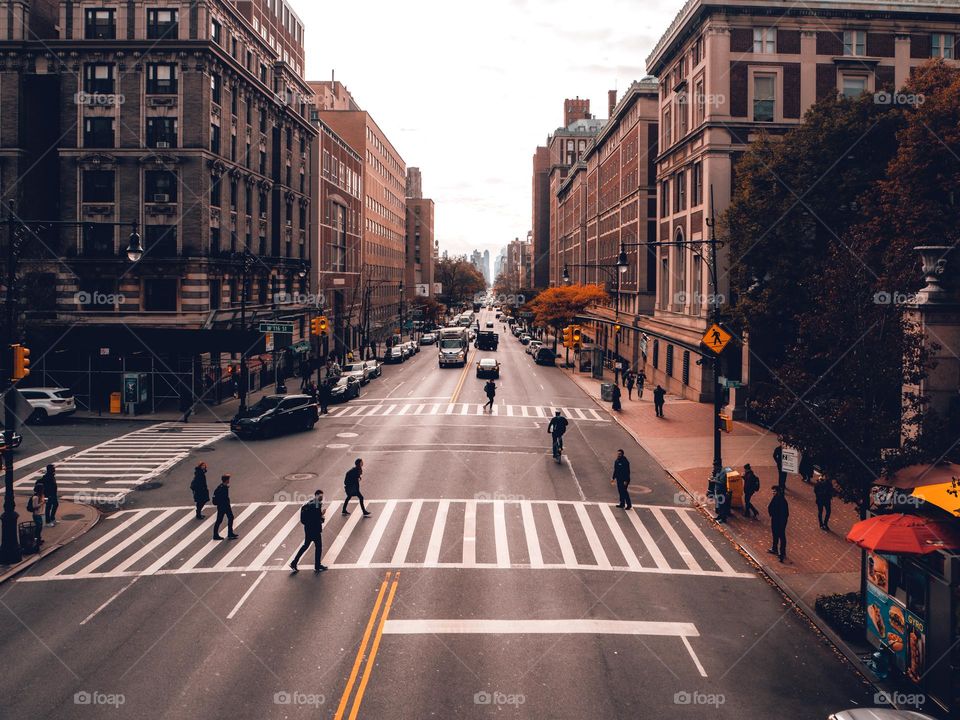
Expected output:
(729, 70)
(607, 198)
(419, 274)
(190, 120)
(383, 247)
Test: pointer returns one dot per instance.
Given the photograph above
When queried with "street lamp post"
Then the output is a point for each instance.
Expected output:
(17, 232)
(400, 310)
(246, 262)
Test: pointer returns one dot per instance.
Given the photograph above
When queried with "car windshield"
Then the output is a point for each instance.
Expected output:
(64, 394)
(396, 351)
(451, 344)
(267, 403)
(356, 367)
(486, 362)
(342, 382)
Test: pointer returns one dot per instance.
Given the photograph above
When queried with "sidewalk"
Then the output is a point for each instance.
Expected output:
(73, 520)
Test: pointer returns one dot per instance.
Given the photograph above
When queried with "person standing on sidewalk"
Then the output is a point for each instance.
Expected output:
(323, 396)
(311, 517)
(659, 397)
(351, 487)
(50, 495)
(35, 506)
(491, 390)
(221, 498)
(629, 385)
(751, 486)
(621, 476)
(806, 468)
(201, 493)
(641, 379)
(823, 491)
(778, 459)
(615, 395)
(779, 511)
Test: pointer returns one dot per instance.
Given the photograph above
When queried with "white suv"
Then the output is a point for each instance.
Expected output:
(49, 402)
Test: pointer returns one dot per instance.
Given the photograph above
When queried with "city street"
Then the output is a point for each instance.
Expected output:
(489, 578)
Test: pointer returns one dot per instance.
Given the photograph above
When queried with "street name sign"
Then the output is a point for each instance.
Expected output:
(276, 327)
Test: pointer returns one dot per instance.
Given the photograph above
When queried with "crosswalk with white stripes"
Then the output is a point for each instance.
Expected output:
(408, 533)
(106, 472)
(398, 409)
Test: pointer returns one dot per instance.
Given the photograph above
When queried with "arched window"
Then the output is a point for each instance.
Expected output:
(679, 272)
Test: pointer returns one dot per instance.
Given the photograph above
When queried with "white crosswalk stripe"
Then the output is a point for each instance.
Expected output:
(541, 412)
(106, 472)
(407, 533)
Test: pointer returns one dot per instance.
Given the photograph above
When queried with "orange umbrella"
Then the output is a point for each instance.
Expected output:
(900, 534)
(945, 496)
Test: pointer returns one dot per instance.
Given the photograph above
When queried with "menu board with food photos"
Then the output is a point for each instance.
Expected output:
(891, 625)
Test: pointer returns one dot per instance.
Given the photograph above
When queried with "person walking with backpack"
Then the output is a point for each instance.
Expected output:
(221, 498)
(823, 491)
(779, 511)
(351, 487)
(621, 476)
(641, 378)
(491, 390)
(751, 486)
(630, 381)
(198, 486)
(311, 517)
(659, 397)
(35, 506)
(49, 481)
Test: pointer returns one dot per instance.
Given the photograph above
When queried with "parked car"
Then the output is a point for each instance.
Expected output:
(276, 414)
(374, 368)
(532, 347)
(17, 441)
(488, 367)
(428, 339)
(49, 402)
(358, 370)
(346, 388)
(414, 347)
(525, 339)
(499, 315)
(545, 356)
(489, 326)
(396, 354)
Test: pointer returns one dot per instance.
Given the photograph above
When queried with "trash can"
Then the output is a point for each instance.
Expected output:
(27, 532)
(115, 403)
(606, 392)
(735, 488)
(726, 422)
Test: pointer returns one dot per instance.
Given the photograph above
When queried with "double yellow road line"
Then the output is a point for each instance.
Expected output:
(362, 652)
(463, 377)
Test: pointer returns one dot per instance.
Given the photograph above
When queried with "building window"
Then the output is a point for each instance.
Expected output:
(683, 108)
(664, 283)
(942, 46)
(161, 24)
(215, 139)
(216, 294)
(686, 367)
(160, 186)
(234, 100)
(765, 40)
(160, 294)
(263, 162)
(680, 191)
(696, 190)
(764, 87)
(98, 186)
(160, 240)
(667, 129)
(854, 42)
(234, 194)
(700, 100)
(215, 191)
(680, 275)
(697, 51)
(853, 86)
(214, 241)
(669, 360)
(216, 88)
(263, 120)
(98, 241)
(263, 205)
(98, 132)
(656, 354)
(98, 79)
(664, 198)
(161, 132)
(161, 79)
(101, 24)
(216, 32)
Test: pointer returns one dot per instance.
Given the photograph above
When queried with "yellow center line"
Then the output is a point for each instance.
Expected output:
(463, 377)
(373, 651)
(341, 708)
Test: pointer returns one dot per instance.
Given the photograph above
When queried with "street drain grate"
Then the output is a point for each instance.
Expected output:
(150, 486)
(300, 476)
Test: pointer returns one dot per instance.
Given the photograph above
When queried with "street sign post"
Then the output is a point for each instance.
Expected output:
(716, 338)
(277, 327)
(790, 460)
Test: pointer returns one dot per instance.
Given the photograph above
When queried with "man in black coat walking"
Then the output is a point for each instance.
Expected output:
(323, 396)
(621, 476)
(221, 499)
(823, 491)
(659, 396)
(491, 390)
(50, 494)
(201, 493)
(351, 487)
(779, 514)
(311, 517)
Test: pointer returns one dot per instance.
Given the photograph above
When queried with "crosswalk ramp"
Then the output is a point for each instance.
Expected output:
(105, 472)
(530, 412)
(408, 533)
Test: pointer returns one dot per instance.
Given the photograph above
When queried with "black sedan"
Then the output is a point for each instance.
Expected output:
(274, 415)
(346, 388)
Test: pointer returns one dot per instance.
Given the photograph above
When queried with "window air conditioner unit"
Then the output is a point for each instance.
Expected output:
(161, 198)
(163, 145)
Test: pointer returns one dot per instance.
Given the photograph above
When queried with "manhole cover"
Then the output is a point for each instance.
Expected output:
(346, 435)
(338, 446)
(639, 489)
(150, 486)
(72, 516)
(300, 476)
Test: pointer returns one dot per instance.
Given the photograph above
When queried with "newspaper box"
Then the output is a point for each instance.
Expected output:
(735, 488)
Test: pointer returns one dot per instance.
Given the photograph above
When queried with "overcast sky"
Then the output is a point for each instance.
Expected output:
(466, 91)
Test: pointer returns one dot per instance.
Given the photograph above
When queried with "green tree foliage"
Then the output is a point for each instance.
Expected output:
(461, 281)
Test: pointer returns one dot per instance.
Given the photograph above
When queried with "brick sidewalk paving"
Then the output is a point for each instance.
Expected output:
(73, 520)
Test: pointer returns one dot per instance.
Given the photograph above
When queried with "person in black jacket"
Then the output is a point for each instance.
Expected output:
(659, 396)
(351, 487)
(50, 494)
(779, 514)
(751, 486)
(491, 390)
(311, 517)
(323, 396)
(778, 459)
(201, 493)
(221, 498)
(621, 476)
(823, 491)
(615, 396)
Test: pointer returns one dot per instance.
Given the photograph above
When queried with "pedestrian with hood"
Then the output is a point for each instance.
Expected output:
(491, 390)
(221, 498)
(641, 379)
(659, 397)
(823, 491)
(751, 486)
(49, 481)
(311, 517)
(198, 486)
(630, 381)
(779, 511)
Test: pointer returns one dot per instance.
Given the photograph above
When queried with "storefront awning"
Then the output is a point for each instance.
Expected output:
(900, 534)
(945, 496)
(303, 346)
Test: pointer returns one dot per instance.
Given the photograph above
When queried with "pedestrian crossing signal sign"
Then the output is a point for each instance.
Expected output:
(716, 338)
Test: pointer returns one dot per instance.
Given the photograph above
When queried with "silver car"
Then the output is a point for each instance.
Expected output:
(374, 368)
(358, 370)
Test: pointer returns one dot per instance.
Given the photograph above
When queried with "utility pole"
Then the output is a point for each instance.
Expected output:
(715, 308)
(10, 549)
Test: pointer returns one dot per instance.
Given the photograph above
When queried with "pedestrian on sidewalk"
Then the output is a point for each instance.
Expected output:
(616, 397)
(659, 397)
(779, 511)
(621, 477)
(823, 491)
(778, 459)
(198, 486)
(641, 379)
(351, 487)
(221, 498)
(723, 502)
(806, 468)
(35, 506)
(491, 390)
(751, 486)
(49, 481)
(629, 385)
(311, 517)
(323, 396)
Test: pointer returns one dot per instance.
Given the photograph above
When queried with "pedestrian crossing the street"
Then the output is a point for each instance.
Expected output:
(104, 473)
(530, 412)
(409, 533)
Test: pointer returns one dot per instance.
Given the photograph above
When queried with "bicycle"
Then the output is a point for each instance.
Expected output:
(557, 448)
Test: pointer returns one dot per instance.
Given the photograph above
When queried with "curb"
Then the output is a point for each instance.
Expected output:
(26, 564)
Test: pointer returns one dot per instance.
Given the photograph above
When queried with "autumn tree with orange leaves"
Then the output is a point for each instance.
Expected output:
(557, 307)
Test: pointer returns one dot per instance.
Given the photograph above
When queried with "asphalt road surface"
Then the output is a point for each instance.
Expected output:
(490, 580)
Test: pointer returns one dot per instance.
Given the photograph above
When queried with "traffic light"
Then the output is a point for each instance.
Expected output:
(315, 326)
(322, 324)
(21, 362)
(577, 336)
(568, 336)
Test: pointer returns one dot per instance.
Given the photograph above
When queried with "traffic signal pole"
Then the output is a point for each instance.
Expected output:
(9, 539)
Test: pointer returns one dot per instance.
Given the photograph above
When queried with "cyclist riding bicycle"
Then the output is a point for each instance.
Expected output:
(557, 427)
